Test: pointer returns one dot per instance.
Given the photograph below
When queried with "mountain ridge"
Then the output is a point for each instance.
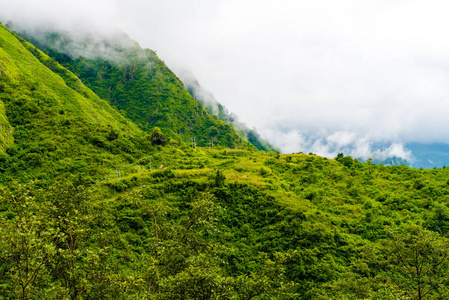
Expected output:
(140, 85)
(215, 108)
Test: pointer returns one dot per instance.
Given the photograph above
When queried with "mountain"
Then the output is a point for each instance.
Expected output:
(139, 84)
(434, 155)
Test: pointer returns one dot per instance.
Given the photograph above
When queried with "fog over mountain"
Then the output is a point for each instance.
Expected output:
(314, 76)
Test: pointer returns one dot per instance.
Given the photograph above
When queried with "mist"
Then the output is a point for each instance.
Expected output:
(313, 76)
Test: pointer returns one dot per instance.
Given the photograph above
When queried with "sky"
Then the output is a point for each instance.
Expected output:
(319, 76)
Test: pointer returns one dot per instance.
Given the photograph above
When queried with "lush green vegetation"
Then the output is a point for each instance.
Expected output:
(86, 212)
(52, 125)
(221, 223)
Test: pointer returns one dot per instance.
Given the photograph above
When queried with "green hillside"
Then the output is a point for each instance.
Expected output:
(236, 224)
(52, 124)
(93, 208)
(140, 85)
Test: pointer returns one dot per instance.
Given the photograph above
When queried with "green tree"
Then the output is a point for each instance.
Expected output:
(78, 263)
(347, 161)
(48, 249)
(339, 156)
(26, 246)
(212, 131)
(185, 265)
(219, 179)
(416, 261)
(157, 138)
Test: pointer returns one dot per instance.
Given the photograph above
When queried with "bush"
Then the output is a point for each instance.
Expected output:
(347, 161)
(166, 173)
(263, 171)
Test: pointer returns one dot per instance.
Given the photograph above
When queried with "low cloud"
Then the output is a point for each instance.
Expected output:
(198, 91)
(321, 76)
(349, 143)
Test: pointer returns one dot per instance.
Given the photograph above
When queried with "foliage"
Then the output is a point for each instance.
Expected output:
(415, 260)
(344, 160)
(157, 137)
(51, 127)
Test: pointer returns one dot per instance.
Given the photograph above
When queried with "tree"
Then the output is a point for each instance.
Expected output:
(339, 156)
(212, 131)
(219, 179)
(347, 161)
(185, 264)
(48, 249)
(9, 24)
(416, 261)
(157, 138)
(26, 246)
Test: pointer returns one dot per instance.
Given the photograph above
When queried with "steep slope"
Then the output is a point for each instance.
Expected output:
(215, 108)
(6, 136)
(138, 83)
(52, 124)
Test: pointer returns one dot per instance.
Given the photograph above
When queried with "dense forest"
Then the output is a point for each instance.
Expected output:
(93, 206)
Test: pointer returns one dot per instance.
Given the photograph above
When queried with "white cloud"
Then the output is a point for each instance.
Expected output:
(328, 73)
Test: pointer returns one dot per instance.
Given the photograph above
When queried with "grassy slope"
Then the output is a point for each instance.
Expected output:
(55, 121)
(25, 66)
(6, 136)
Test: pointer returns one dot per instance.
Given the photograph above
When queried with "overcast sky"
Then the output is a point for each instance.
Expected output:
(320, 76)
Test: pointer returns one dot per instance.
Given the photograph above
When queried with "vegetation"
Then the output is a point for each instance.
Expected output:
(55, 126)
(92, 207)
